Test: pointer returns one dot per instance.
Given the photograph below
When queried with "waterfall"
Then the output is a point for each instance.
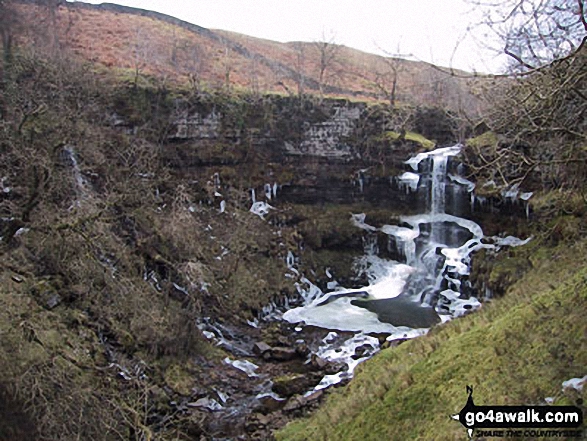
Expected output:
(438, 195)
(435, 247)
(429, 282)
(443, 257)
(438, 187)
(81, 184)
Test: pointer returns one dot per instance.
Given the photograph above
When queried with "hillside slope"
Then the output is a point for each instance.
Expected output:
(141, 42)
(129, 251)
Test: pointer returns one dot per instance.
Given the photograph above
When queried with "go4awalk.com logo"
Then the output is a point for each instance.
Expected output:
(520, 421)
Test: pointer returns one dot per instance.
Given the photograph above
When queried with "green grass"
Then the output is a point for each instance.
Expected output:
(517, 350)
(487, 139)
(412, 136)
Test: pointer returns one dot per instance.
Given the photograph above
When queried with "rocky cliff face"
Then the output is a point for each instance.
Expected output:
(335, 151)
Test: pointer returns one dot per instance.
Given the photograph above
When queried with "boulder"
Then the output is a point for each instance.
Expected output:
(270, 402)
(299, 402)
(293, 384)
(53, 301)
(261, 348)
(362, 351)
(318, 363)
(326, 366)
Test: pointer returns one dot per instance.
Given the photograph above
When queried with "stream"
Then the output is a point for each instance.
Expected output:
(329, 333)
(405, 297)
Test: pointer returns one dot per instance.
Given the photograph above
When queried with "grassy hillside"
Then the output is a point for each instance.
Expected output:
(517, 350)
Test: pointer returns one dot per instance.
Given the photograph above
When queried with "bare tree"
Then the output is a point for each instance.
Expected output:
(300, 49)
(254, 75)
(140, 53)
(227, 66)
(8, 22)
(534, 33)
(195, 64)
(189, 58)
(540, 110)
(328, 52)
(52, 8)
(387, 71)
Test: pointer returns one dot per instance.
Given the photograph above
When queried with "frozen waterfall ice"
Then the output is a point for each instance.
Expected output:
(429, 282)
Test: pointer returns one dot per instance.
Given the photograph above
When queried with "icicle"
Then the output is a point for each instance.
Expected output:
(409, 181)
(370, 245)
(290, 260)
(261, 209)
(5, 188)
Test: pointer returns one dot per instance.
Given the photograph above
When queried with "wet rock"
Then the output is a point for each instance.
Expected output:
(318, 363)
(302, 350)
(326, 366)
(400, 311)
(361, 351)
(293, 384)
(261, 348)
(299, 402)
(206, 403)
(283, 354)
(382, 337)
(270, 402)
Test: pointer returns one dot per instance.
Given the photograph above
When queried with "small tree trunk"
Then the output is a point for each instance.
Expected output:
(392, 94)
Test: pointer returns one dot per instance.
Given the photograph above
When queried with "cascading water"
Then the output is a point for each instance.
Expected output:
(404, 299)
(435, 247)
(438, 188)
(82, 186)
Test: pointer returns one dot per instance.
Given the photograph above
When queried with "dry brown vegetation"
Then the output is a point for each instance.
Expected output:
(184, 54)
(108, 261)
